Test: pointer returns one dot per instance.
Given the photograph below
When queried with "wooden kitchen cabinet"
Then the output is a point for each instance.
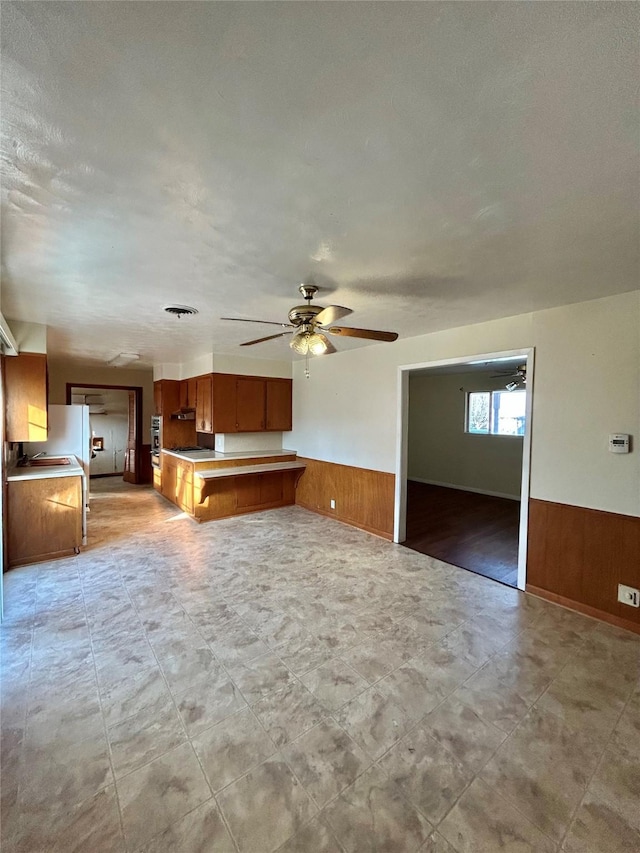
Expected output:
(177, 482)
(44, 519)
(204, 404)
(25, 379)
(166, 396)
(279, 405)
(188, 393)
(250, 404)
(224, 402)
(169, 477)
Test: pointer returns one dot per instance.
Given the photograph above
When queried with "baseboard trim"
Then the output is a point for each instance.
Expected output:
(585, 609)
(465, 488)
(328, 514)
(110, 474)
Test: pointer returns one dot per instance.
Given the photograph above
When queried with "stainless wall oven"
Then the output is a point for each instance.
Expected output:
(156, 440)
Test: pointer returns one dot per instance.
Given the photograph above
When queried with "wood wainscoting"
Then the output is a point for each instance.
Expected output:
(578, 556)
(364, 498)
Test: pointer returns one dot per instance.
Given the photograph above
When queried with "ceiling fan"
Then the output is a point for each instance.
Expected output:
(518, 377)
(310, 325)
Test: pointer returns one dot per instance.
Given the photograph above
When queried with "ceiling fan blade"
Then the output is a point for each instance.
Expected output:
(370, 334)
(330, 314)
(268, 338)
(265, 322)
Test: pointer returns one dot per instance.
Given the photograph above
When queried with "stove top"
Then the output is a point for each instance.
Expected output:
(186, 449)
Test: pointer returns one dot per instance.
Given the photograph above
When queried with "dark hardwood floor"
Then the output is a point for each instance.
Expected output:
(475, 532)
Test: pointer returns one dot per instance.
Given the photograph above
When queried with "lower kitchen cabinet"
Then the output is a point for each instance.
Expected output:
(44, 519)
(176, 482)
(228, 495)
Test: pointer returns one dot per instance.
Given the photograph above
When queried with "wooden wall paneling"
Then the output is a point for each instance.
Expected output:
(25, 383)
(580, 555)
(364, 498)
(44, 518)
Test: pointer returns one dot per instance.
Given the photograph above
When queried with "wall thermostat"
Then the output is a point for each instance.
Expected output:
(619, 442)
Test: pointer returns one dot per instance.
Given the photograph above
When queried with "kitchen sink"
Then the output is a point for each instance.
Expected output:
(46, 461)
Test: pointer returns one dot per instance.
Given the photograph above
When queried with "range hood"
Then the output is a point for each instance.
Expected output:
(184, 415)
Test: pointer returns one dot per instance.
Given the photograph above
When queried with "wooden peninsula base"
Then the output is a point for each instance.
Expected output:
(219, 489)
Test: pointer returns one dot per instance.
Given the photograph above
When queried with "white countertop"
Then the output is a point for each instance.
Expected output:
(74, 469)
(239, 470)
(216, 456)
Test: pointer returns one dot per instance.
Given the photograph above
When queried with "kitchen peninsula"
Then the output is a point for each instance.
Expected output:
(208, 484)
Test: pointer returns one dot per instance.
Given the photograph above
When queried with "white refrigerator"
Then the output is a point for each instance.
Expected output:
(68, 434)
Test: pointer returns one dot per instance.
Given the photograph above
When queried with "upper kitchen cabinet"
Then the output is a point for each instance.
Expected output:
(224, 402)
(279, 405)
(166, 396)
(188, 393)
(204, 404)
(249, 404)
(25, 378)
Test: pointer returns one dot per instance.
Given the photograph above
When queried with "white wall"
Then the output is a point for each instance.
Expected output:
(440, 451)
(61, 372)
(113, 428)
(214, 363)
(586, 385)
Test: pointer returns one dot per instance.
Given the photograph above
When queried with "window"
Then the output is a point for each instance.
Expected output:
(496, 412)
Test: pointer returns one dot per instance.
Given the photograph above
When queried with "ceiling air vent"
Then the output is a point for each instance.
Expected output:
(179, 310)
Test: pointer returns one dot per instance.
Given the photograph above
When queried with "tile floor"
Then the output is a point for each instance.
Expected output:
(282, 682)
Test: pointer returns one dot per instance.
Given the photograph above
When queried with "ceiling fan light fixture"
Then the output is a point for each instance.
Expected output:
(317, 344)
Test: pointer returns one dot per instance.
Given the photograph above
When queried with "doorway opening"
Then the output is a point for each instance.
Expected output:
(462, 470)
(115, 422)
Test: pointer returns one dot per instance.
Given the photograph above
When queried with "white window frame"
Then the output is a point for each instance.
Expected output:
(490, 392)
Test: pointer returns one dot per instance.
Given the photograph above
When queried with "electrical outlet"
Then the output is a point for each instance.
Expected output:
(628, 595)
(332, 504)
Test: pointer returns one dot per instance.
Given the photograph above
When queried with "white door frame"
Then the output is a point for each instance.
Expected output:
(402, 445)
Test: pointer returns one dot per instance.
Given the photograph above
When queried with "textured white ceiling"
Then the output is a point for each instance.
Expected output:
(427, 164)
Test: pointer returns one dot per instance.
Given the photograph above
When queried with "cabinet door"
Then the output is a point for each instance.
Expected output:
(157, 398)
(279, 404)
(250, 404)
(169, 479)
(191, 393)
(188, 394)
(184, 486)
(204, 401)
(224, 403)
(184, 394)
(25, 377)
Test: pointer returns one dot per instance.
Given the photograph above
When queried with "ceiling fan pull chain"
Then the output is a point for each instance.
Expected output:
(306, 365)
